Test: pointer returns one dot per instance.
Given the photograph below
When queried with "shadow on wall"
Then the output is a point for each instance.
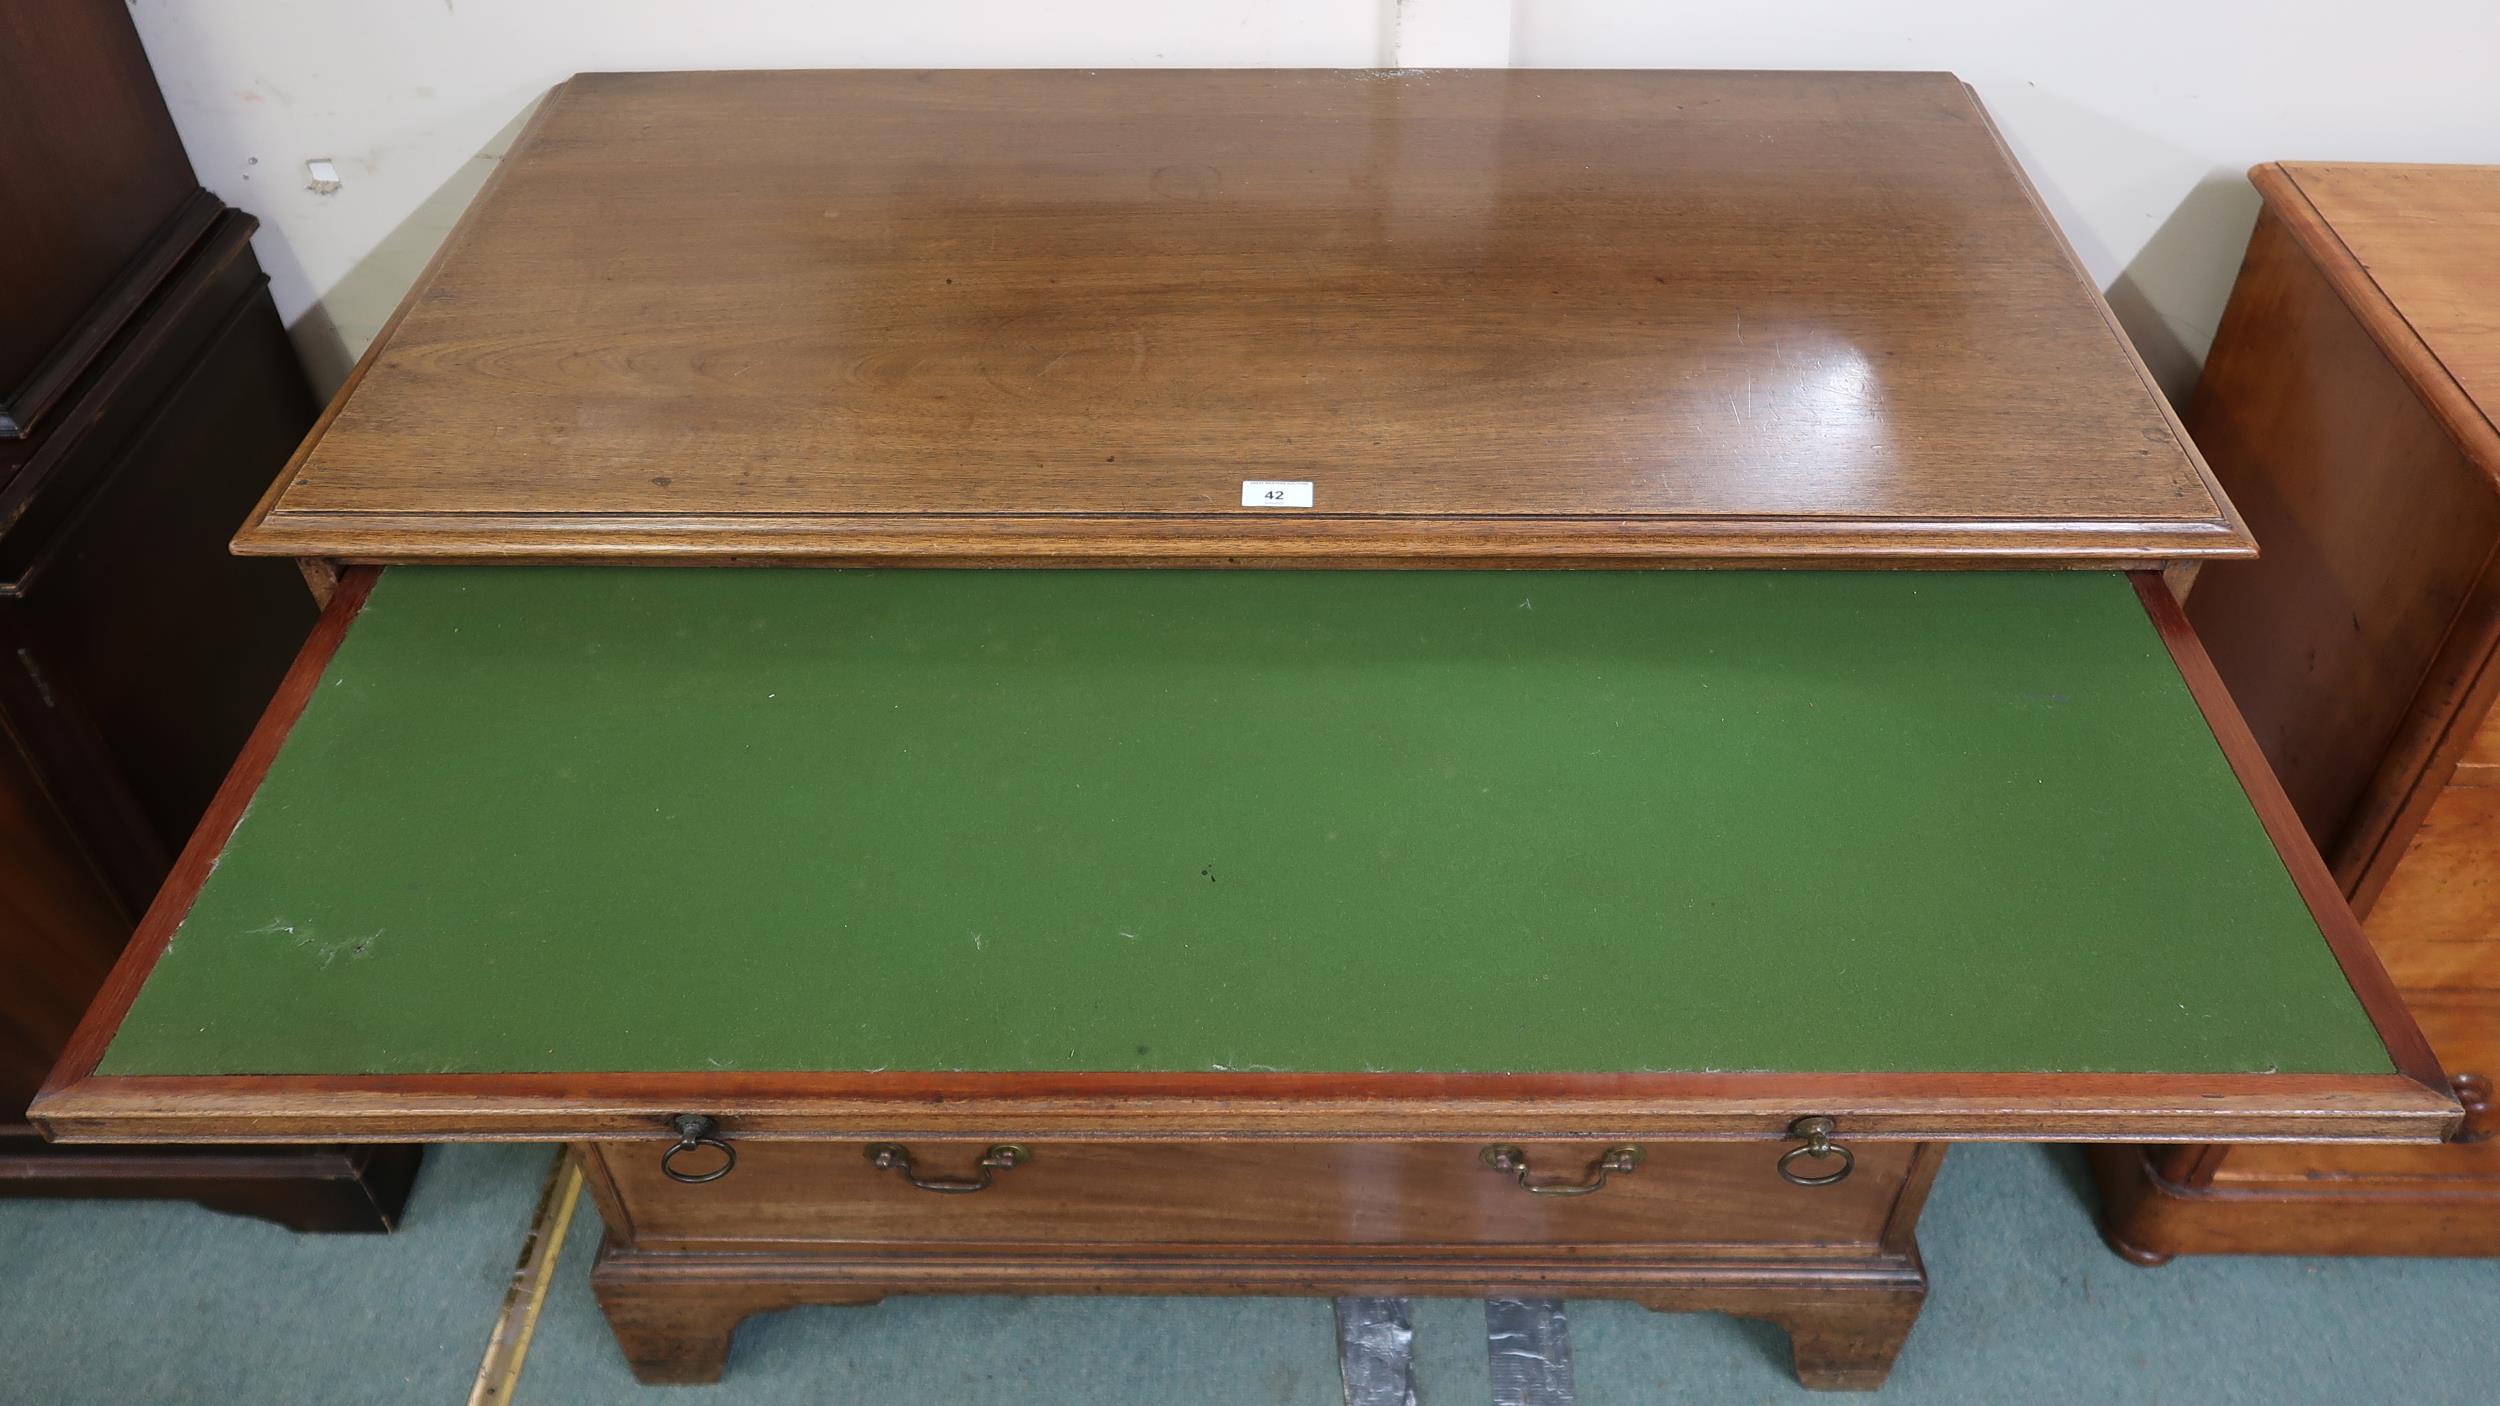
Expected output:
(335, 330)
(2170, 298)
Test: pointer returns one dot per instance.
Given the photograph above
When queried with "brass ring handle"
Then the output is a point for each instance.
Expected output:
(1504, 1157)
(1817, 1133)
(1005, 1156)
(693, 1131)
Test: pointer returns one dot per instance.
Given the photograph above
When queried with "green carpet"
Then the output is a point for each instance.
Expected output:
(135, 1303)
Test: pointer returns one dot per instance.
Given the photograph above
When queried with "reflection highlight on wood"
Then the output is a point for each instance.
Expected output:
(1060, 317)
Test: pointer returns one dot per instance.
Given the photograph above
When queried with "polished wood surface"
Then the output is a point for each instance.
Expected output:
(899, 1105)
(139, 654)
(136, 683)
(2149, 1218)
(97, 200)
(2429, 238)
(1032, 317)
(2329, 641)
(2438, 920)
(2364, 649)
(1692, 1193)
(168, 645)
(2002, 1107)
(314, 1190)
(64, 930)
(675, 1316)
(1842, 1277)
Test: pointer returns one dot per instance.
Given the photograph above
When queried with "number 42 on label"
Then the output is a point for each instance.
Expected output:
(1275, 493)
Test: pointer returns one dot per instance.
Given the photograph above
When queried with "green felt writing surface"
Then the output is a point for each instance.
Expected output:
(610, 819)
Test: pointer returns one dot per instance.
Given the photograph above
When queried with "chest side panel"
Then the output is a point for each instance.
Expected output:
(2344, 644)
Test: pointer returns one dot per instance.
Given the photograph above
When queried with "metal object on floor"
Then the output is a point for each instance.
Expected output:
(1529, 1346)
(509, 1344)
(1376, 1351)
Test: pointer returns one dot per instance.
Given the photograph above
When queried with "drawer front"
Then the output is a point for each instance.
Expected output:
(1316, 1193)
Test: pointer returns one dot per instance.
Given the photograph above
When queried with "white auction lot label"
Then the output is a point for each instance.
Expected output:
(1274, 493)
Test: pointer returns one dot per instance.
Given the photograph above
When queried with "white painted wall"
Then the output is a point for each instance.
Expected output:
(2135, 117)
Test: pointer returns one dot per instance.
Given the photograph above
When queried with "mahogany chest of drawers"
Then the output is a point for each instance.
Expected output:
(1288, 902)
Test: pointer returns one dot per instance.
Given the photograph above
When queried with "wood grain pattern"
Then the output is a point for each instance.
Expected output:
(2148, 1218)
(2479, 765)
(2461, 682)
(63, 927)
(168, 644)
(2429, 238)
(1847, 1305)
(1711, 1194)
(2336, 648)
(2365, 648)
(674, 1316)
(2437, 924)
(313, 1190)
(97, 200)
(1872, 1107)
(139, 655)
(1053, 317)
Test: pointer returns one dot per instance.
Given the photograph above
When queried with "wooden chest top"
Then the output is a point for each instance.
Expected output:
(1025, 317)
(2428, 237)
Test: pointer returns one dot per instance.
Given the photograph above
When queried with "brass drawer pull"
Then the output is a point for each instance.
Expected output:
(1503, 1157)
(693, 1131)
(1005, 1156)
(1817, 1133)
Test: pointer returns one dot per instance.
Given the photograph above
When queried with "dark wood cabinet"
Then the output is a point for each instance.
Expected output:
(151, 392)
(97, 200)
(64, 930)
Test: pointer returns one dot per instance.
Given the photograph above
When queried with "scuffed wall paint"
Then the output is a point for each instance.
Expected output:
(414, 102)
